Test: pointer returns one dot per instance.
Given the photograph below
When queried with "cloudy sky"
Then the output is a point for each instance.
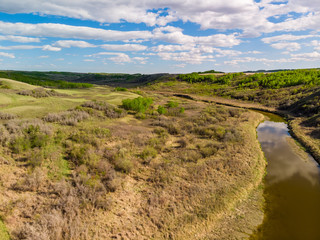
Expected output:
(150, 36)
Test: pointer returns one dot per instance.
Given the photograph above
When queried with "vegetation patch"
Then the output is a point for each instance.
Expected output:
(40, 93)
(140, 104)
(71, 117)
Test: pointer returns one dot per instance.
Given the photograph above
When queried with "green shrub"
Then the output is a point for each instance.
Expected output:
(36, 137)
(195, 77)
(83, 154)
(35, 158)
(148, 153)
(101, 132)
(123, 164)
(172, 104)
(121, 89)
(140, 104)
(20, 144)
(162, 110)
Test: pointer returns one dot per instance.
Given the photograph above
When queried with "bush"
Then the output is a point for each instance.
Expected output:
(40, 93)
(195, 77)
(67, 118)
(101, 132)
(20, 144)
(7, 116)
(140, 104)
(83, 154)
(121, 89)
(35, 158)
(172, 104)
(148, 153)
(121, 161)
(110, 111)
(162, 110)
(208, 149)
(123, 164)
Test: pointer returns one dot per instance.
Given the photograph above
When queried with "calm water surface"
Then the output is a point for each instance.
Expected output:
(292, 188)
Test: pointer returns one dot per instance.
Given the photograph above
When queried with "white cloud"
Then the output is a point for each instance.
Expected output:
(9, 55)
(177, 37)
(188, 57)
(312, 56)
(73, 43)
(68, 31)
(20, 47)
(124, 47)
(44, 56)
(88, 60)
(141, 60)
(289, 46)
(182, 65)
(19, 39)
(252, 59)
(316, 44)
(117, 56)
(287, 37)
(51, 48)
(248, 15)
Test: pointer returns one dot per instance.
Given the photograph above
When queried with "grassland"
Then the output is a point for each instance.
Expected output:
(294, 94)
(74, 164)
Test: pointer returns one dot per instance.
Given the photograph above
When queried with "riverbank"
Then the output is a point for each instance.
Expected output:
(242, 210)
(297, 131)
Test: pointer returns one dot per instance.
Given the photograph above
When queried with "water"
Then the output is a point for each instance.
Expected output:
(292, 188)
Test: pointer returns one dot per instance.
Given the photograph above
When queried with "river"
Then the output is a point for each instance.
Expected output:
(292, 187)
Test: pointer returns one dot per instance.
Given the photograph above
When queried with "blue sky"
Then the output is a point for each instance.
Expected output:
(151, 36)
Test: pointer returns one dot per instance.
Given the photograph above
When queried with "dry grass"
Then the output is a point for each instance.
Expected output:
(163, 177)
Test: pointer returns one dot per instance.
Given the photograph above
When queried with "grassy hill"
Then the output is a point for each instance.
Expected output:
(80, 80)
(104, 162)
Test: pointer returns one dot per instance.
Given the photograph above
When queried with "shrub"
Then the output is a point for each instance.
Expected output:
(140, 104)
(35, 158)
(7, 116)
(101, 132)
(140, 115)
(67, 118)
(121, 89)
(172, 104)
(83, 154)
(84, 137)
(162, 110)
(122, 161)
(208, 149)
(182, 142)
(36, 137)
(115, 113)
(189, 155)
(110, 111)
(40, 93)
(4, 135)
(123, 164)
(4, 85)
(20, 144)
(173, 128)
(148, 153)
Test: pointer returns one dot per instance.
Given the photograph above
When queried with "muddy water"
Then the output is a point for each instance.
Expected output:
(292, 188)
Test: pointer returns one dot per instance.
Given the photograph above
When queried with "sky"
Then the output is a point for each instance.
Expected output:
(159, 36)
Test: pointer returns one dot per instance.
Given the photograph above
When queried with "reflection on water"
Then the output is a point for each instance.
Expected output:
(292, 191)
